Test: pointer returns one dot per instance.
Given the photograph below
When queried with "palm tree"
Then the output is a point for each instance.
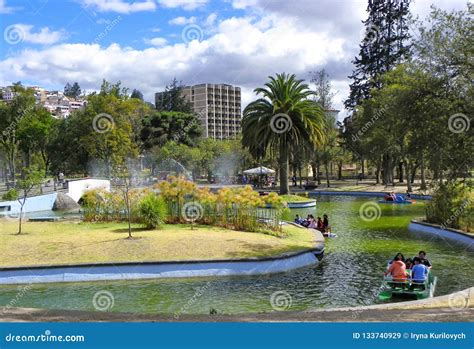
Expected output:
(282, 120)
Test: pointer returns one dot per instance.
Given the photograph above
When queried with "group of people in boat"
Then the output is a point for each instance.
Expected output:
(410, 269)
(391, 196)
(318, 224)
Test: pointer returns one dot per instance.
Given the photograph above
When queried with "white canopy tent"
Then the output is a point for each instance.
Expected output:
(259, 170)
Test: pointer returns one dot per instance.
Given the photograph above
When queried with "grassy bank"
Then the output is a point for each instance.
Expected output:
(72, 242)
(295, 198)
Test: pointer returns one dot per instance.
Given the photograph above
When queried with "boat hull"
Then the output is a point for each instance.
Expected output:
(390, 289)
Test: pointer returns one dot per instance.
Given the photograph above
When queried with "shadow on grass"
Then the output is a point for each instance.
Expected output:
(254, 249)
(136, 230)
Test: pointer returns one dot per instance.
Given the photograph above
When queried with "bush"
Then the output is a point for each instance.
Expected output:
(10, 195)
(100, 205)
(234, 208)
(152, 210)
(451, 206)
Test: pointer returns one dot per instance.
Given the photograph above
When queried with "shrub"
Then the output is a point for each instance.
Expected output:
(100, 205)
(10, 195)
(152, 210)
(451, 206)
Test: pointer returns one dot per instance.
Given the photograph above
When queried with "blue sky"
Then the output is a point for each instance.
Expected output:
(146, 43)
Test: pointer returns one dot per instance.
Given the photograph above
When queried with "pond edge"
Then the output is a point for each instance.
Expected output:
(447, 233)
(164, 269)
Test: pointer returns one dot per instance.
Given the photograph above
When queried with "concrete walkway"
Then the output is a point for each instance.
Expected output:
(456, 307)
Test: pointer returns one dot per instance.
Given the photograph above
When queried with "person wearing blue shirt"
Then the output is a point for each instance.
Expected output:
(419, 272)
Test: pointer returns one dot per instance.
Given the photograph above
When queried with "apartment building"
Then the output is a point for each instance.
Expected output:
(218, 107)
(55, 102)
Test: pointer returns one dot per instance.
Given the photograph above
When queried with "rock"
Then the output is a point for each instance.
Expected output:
(65, 203)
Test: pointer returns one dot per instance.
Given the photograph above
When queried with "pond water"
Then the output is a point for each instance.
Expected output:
(349, 275)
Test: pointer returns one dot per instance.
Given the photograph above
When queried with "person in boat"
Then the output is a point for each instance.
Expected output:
(312, 223)
(397, 270)
(424, 260)
(326, 226)
(408, 265)
(306, 221)
(419, 273)
(320, 224)
(299, 220)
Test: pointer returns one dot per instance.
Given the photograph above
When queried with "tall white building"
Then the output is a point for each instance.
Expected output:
(218, 107)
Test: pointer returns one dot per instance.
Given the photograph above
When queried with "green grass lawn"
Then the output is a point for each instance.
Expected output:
(295, 198)
(73, 242)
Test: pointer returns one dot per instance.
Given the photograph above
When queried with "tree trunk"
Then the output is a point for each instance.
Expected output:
(22, 204)
(301, 177)
(377, 174)
(413, 174)
(400, 172)
(313, 169)
(129, 216)
(317, 174)
(423, 174)
(339, 171)
(326, 166)
(407, 170)
(284, 188)
(362, 167)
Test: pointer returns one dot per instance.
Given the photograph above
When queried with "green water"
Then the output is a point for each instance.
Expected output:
(349, 275)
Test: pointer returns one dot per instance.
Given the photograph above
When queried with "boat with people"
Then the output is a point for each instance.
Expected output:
(408, 289)
(408, 278)
(392, 198)
(321, 225)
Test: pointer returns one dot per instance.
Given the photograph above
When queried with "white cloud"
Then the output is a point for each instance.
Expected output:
(120, 6)
(242, 51)
(184, 4)
(17, 33)
(182, 20)
(238, 53)
(156, 41)
(242, 4)
(6, 9)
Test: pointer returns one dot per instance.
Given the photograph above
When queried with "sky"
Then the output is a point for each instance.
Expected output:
(147, 43)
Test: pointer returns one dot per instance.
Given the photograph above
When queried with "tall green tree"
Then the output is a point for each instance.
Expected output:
(385, 44)
(285, 117)
(159, 128)
(36, 132)
(11, 114)
(30, 178)
(73, 91)
(172, 99)
(137, 94)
